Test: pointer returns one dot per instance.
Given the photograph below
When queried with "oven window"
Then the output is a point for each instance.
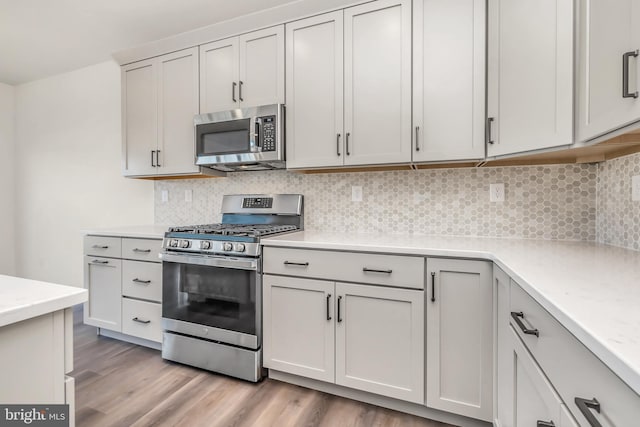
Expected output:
(212, 296)
(224, 138)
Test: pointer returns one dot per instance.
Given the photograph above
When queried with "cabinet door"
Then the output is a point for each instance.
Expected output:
(377, 70)
(139, 118)
(503, 370)
(459, 337)
(533, 398)
(448, 80)
(298, 326)
(103, 278)
(380, 340)
(315, 91)
(178, 103)
(530, 75)
(262, 67)
(608, 29)
(219, 76)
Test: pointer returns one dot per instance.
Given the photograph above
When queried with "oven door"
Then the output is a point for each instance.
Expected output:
(215, 298)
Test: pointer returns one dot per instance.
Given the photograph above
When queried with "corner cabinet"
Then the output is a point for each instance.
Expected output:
(448, 80)
(530, 75)
(609, 72)
(242, 71)
(349, 104)
(159, 100)
(459, 337)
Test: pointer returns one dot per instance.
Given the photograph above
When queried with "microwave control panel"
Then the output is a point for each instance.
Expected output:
(268, 137)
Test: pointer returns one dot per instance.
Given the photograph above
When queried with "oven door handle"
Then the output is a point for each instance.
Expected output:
(223, 262)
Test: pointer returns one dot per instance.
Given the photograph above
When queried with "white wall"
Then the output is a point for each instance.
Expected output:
(7, 194)
(68, 150)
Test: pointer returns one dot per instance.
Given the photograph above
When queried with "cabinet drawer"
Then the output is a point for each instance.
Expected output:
(571, 367)
(102, 246)
(389, 270)
(142, 319)
(142, 280)
(141, 249)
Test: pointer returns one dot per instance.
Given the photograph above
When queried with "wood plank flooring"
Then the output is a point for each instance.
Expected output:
(121, 384)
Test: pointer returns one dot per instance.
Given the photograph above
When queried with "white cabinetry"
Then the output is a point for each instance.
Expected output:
(459, 337)
(503, 370)
(244, 71)
(608, 43)
(530, 75)
(448, 80)
(159, 100)
(360, 69)
(124, 280)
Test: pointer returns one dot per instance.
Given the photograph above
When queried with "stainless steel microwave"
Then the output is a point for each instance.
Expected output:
(241, 139)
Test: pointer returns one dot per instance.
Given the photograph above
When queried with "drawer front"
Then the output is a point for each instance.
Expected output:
(142, 319)
(388, 270)
(141, 249)
(103, 246)
(571, 367)
(142, 280)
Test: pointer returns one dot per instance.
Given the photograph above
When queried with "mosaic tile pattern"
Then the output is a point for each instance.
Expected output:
(618, 217)
(548, 202)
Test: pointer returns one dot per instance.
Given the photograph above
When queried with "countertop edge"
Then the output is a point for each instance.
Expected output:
(30, 311)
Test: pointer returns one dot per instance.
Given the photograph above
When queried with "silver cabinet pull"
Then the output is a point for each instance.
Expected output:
(146, 251)
(489, 136)
(625, 74)
(135, 319)
(328, 305)
(153, 153)
(433, 286)
(301, 264)
(100, 247)
(158, 158)
(240, 91)
(517, 315)
(144, 282)
(233, 91)
(585, 406)
(99, 262)
(347, 143)
(339, 314)
(417, 132)
(375, 270)
(338, 144)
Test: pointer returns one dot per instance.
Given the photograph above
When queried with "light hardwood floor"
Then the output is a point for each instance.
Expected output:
(121, 384)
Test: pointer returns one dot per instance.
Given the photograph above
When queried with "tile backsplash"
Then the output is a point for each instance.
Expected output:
(550, 202)
(618, 217)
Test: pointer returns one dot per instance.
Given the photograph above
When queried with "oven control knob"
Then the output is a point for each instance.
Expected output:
(240, 247)
(173, 243)
(227, 246)
(205, 244)
(185, 244)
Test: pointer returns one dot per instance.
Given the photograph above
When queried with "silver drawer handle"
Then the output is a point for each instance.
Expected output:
(144, 282)
(97, 261)
(100, 247)
(585, 406)
(375, 270)
(135, 319)
(301, 264)
(142, 250)
(517, 315)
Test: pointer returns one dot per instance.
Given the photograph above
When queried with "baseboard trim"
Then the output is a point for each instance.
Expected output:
(129, 338)
(374, 399)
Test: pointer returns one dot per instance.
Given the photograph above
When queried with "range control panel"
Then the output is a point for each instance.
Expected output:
(268, 137)
(257, 202)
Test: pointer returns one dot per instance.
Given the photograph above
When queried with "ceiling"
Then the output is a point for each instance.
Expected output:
(40, 38)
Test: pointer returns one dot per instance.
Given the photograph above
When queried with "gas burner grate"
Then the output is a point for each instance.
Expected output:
(251, 230)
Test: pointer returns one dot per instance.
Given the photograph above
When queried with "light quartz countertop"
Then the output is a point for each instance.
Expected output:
(136, 231)
(592, 289)
(22, 299)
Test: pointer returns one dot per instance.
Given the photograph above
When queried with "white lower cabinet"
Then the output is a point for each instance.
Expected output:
(102, 277)
(360, 336)
(459, 337)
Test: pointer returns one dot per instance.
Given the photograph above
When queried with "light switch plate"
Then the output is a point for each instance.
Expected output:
(496, 192)
(164, 196)
(635, 188)
(356, 193)
(188, 195)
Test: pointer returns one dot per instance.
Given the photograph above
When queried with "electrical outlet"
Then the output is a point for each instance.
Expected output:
(496, 192)
(164, 196)
(188, 195)
(356, 193)
(635, 188)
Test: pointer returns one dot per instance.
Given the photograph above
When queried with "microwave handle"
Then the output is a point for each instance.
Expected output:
(257, 127)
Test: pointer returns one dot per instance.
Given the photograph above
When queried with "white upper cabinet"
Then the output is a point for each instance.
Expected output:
(608, 72)
(448, 80)
(242, 71)
(159, 100)
(530, 75)
(315, 91)
(377, 73)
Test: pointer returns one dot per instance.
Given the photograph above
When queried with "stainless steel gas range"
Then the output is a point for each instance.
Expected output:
(212, 290)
